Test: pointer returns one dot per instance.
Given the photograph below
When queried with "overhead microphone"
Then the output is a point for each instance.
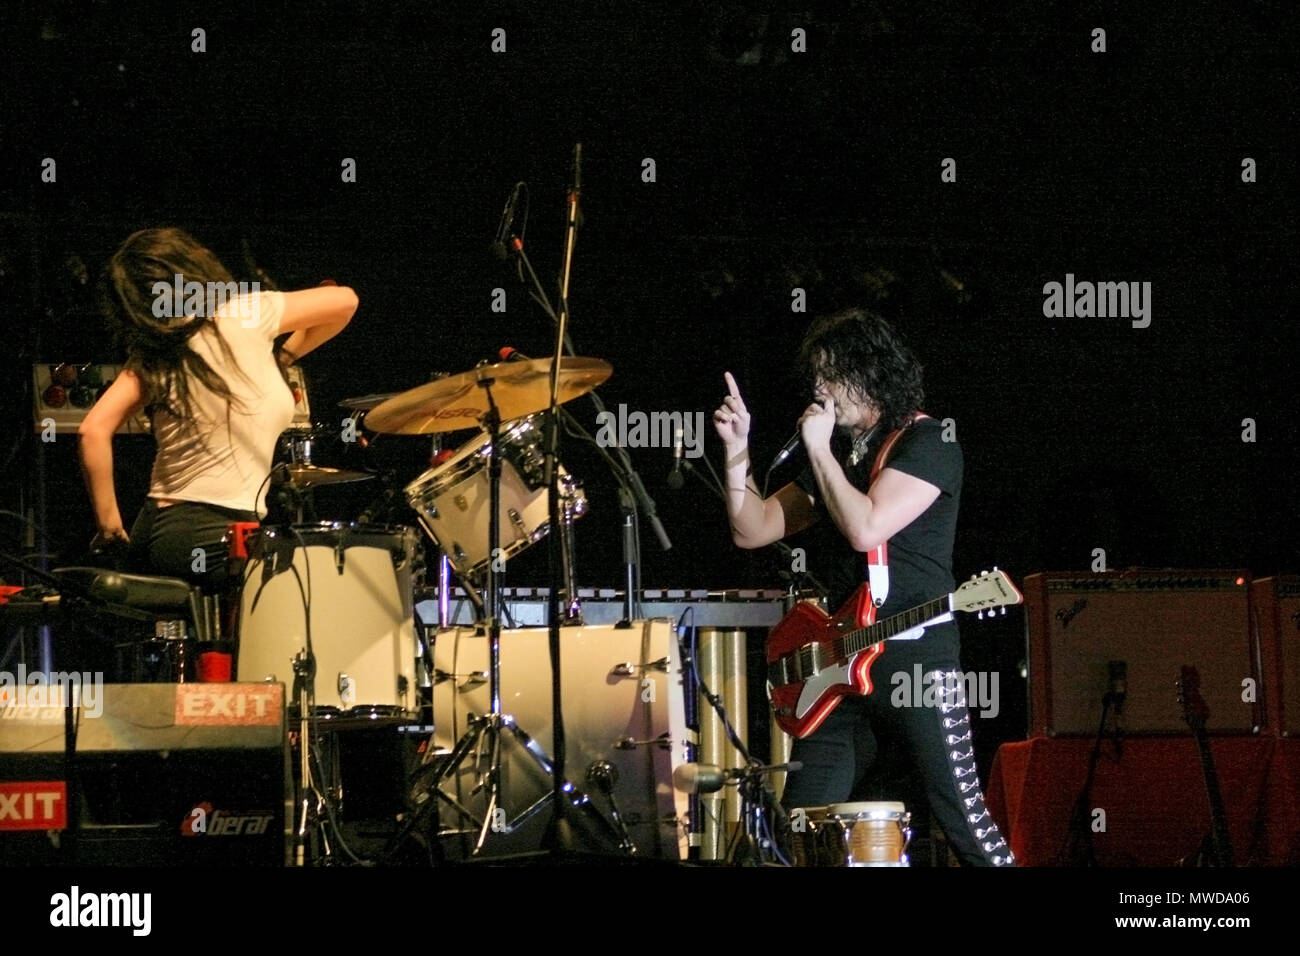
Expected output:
(507, 224)
(676, 477)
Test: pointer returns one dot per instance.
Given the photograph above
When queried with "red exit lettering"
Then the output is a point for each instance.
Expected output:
(34, 805)
(229, 704)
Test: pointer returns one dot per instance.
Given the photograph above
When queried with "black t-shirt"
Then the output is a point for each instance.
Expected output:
(920, 555)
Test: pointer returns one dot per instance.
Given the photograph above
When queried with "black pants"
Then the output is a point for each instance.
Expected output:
(184, 540)
(936, 737)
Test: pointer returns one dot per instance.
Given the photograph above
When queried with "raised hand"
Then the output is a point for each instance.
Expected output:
(732, 417)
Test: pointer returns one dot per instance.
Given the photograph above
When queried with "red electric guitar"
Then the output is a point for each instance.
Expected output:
(814, 659)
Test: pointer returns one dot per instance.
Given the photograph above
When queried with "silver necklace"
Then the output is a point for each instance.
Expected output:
(860, 445)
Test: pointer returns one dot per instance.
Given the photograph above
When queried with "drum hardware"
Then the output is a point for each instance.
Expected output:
(603, 776)
(438, 407)
(429, 409)
(664, 742)
(476, 679)
(628, 669)
(306, 466)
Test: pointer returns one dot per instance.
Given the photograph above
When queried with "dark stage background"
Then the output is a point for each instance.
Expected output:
(774, 170)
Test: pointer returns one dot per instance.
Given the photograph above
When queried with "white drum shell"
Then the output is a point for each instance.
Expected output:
(362, 623)
(452, 500)
(609, 695)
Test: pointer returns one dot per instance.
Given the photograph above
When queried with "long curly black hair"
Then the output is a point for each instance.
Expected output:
(860, 350)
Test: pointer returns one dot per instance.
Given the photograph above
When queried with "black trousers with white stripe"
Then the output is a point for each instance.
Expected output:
(935, 732)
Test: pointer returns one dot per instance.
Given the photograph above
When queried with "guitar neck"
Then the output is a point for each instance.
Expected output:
(1218, 818)
(892, 626)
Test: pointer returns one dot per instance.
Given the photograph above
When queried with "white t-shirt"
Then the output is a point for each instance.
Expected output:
(222, 463)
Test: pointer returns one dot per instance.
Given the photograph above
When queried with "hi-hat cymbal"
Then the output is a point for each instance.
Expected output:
(363, 403)
(519, 388)
(311, 476)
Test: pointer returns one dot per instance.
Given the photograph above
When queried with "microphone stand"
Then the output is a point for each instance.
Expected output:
(559, 835)
(1078, 850)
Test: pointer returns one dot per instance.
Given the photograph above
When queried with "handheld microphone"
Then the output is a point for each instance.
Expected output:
(676, 477)
(506, 226)
(788, 449)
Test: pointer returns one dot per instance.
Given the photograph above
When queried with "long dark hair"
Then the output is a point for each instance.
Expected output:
(859, 349)
(157, 347)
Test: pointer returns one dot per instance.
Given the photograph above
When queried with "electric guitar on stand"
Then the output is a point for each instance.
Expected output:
(814, 659)
(1216, 848)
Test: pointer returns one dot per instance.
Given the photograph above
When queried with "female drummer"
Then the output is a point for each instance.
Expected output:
(203, 365)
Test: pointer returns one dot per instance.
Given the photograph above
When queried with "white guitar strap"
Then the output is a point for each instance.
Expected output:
(878, 557)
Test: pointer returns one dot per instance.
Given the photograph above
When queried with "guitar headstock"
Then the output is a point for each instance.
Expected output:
(986, 591)
(1195, 710)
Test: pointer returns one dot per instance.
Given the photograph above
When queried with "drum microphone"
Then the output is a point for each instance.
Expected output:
(676, 477)
(710, 778)
(508, 353)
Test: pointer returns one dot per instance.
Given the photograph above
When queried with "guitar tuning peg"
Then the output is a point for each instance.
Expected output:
(995, 567)
(1004, 612)
(980, 615)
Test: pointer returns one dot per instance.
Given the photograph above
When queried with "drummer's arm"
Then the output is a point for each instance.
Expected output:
(314, 316)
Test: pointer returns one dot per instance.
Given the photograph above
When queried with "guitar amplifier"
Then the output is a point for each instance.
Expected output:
(163, 774)
(1275, 612)
(1153, 621)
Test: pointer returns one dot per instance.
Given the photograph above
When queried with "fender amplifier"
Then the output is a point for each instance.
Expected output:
(1154, 622)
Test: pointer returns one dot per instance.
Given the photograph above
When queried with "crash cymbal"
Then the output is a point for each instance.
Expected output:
(519, 388)
(311, 476)
(363, 403)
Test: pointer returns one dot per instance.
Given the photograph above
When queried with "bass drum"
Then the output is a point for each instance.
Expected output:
(624, 723)
(357, 581)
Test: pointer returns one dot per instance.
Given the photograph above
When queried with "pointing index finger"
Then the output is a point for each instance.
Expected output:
(731, 385)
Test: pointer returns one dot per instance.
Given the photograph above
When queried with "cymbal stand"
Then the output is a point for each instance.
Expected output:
(311, 802)
(572, 603)
(487, 731)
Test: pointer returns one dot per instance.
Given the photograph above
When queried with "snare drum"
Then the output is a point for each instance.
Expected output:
(851, 834)
(452, 499)
(362, 624)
